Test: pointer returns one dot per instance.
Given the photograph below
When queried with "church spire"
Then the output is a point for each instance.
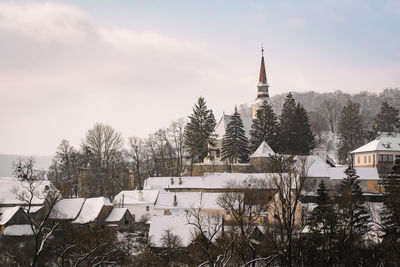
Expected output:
(263, 76)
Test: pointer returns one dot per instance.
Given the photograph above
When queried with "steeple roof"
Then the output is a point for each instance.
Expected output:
(263, 75)
(263, 151)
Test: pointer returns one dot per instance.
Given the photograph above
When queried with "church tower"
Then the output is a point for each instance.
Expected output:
(262, 87)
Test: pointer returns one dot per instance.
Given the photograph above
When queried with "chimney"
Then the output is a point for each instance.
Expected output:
(140, 195)
(175, 201)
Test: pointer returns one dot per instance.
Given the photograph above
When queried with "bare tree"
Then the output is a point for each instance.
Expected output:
(136, 153)
(176, 132)
(23, 168)
(40, 224)
(103, 143)
(285, 216)
(331, 109)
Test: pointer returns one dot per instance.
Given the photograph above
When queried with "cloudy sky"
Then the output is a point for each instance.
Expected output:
(137, 65)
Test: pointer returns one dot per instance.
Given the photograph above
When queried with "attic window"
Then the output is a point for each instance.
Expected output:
(46, 187)
(387, 145)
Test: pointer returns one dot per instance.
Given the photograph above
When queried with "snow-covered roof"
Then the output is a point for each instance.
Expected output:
(165, 182)
(316, 167)
(263, 151)
(363, 173)
(11, 187)
(184, 200)
(209, 201)
(7, 213)
(117, 214)
(225, 119)
(91, 209)
(18, 230)
(131, 197)
(67, 209)
(384, 143)
(178, 225)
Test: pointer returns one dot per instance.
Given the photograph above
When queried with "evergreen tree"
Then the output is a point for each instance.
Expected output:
(305, 140)
(322, 224)
(351, 130)
(288, 134)
(265, 128)
(390, 215)
(234, 142)
(199, 131)
(353, 218)
(387, 120)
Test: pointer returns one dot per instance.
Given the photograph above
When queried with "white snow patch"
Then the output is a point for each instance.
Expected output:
(67, 209)
(7, 213)
(91, 209)
(263, 151)
(18, 230)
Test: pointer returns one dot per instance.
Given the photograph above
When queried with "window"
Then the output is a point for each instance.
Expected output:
(218, 153)
(369, 159)
(365, 159)
(147, 208)
(358, 159)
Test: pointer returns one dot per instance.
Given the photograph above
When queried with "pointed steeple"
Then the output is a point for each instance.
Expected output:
(263, 74)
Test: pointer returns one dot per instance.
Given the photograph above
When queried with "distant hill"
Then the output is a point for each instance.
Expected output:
(42, 162)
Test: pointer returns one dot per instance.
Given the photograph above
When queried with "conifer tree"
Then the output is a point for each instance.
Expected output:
(265, 128)
(235, 142)
(387, 120)
(305, 140)
(353, 218)
(322, 223)
(351, 132)
(390, 215)
(199, 131)
(288, 129)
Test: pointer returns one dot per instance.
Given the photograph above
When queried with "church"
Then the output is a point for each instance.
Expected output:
(262, 95)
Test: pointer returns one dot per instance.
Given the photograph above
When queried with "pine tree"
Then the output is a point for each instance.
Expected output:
(351, 130)
(353, 218)
(199, 131)
(322, 223)
(265, 128)
(235, 142)
(387, 120)
(288, 134)
(305, 140)
(390, 215)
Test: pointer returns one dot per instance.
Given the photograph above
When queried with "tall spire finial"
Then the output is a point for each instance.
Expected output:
(262, 50)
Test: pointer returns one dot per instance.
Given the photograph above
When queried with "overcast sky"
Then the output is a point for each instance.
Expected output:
(137, 65)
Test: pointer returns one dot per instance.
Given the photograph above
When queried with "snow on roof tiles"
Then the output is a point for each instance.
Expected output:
(363, 173)
(117, 214)
(67, 209)
(384, 143)
(184, 200)
(7, 213)
(132, 197)
(91, 209)
(10, 187)
(225, 119)
(263, 151)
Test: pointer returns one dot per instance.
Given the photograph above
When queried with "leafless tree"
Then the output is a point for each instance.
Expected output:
(176, 132)
(136, 154)
(285, 216)
(24, 169)
(103, 143)
(331, 109)
(40, 224)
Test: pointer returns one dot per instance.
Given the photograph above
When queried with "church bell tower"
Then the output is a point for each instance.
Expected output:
(262, 87)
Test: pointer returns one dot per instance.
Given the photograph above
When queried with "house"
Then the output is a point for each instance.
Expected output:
(380, 153)
(94, 211)
(14, 192)
(67, 209)
(140, 203)
(14, 222)
(120, 218)
(179, 226)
